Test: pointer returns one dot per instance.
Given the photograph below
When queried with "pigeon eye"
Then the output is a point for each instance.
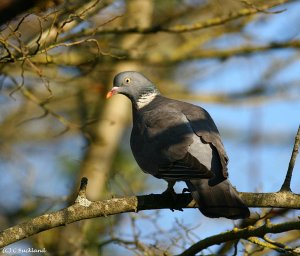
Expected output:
(127, 80)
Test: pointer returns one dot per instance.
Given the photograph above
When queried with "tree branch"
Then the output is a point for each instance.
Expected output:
(244, 50)
(215, 21)
(286, 186)
(77, 58)
(85, 209)
(244, 233)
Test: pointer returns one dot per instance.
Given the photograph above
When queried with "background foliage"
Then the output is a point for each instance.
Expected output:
(238, 59)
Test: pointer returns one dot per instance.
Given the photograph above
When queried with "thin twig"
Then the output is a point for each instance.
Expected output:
(286, 186)
(182, 28)
(47, 110)
(266, 244)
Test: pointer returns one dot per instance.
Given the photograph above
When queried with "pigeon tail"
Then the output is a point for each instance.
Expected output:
(218, 200)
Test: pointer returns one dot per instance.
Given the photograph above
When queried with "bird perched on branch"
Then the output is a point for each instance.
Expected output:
(178, 141)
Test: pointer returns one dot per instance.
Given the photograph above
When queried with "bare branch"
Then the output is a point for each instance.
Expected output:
(42, 104)
(286, 186)
(80, 59)
(243, 233)
(215, 21)
(281, 199)
(85, 209)
(238, 51)
(213, 53)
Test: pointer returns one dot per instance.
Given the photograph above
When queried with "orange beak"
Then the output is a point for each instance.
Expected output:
(112, 92)
(109, 94)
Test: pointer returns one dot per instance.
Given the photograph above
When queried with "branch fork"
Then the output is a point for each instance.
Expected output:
(81, 198)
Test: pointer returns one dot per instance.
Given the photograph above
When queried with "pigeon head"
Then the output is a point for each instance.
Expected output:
(139, 89)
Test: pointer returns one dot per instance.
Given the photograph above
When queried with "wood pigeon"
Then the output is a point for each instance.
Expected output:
(178, 141)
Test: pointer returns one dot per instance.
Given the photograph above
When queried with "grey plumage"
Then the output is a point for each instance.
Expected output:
(178, 141)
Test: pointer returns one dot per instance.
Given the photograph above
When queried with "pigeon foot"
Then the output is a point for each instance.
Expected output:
(170, 194)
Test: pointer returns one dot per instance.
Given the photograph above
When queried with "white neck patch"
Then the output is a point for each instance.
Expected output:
(145, 99)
